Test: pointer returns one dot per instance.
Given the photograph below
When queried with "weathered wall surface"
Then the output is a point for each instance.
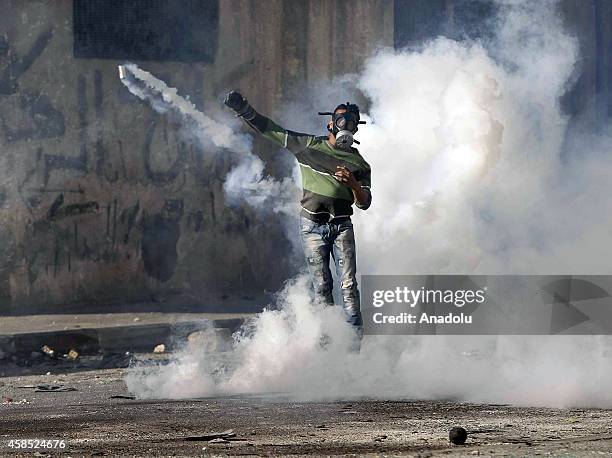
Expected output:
(591, 95)
(100, 200)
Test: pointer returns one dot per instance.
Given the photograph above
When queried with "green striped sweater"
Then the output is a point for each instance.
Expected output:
(324, 197)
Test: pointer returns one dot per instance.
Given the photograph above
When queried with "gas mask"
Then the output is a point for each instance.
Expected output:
(344, 125)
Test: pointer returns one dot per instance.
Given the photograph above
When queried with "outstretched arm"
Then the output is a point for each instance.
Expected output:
(293, 141)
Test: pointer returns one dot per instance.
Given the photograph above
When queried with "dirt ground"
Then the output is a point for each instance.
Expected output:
(90, 422)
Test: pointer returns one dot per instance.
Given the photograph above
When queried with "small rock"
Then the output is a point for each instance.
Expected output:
(457, 435)
(161, 348)
(122, 396)
(52, 388)
(138, 319)
(218, 440)
(212, 435)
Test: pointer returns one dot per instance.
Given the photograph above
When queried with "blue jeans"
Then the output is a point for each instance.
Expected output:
(319, 241)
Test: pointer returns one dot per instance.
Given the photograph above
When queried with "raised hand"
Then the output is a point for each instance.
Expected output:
(235, 101)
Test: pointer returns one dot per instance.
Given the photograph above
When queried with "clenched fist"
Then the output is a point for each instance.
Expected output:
(235, 101)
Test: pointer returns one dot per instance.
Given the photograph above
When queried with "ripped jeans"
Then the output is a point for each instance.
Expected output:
(319, 241)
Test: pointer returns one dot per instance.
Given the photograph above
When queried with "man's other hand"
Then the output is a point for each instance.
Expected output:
(345, 176)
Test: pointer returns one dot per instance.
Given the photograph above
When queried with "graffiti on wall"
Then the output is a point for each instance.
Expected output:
(87, 200)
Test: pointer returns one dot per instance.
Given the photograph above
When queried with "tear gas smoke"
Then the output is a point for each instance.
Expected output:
(247, 180)
(466, 142)
(165, 99)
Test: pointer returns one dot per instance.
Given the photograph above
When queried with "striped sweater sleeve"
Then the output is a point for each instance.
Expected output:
(293, 141)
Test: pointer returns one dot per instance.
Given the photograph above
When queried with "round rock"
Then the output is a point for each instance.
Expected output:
(457, 435)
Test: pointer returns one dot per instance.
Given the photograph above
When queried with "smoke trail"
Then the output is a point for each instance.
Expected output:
(247, 181)
(166, 99)
(466, 146)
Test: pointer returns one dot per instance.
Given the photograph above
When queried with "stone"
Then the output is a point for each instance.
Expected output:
(457, 435)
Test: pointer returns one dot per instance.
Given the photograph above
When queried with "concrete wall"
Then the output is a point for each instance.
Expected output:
(101, 201)
(591, 96)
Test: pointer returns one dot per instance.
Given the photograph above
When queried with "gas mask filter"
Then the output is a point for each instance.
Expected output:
(344, 125)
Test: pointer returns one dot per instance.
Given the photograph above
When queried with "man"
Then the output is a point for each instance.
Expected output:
(334, 176)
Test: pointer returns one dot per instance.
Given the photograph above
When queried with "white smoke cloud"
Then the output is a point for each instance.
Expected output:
(281, 352)
(247, 182)
(469, 176)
